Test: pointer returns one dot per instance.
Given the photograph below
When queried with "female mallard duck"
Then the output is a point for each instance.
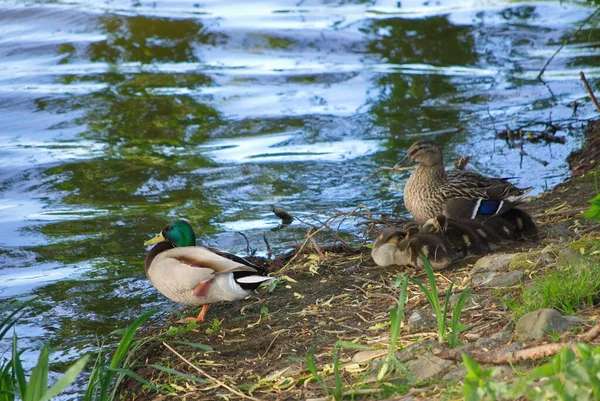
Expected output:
(395, 247)
(458, 194)
(464, 239)
(195, 275)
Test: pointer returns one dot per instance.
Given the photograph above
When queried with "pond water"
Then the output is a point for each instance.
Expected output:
(117, 117)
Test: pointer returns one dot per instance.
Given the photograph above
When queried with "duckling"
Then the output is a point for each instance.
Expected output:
(386, 246)
(489, 236)
(394, 247)
(411, 228)
(463, 238)
(435, 248)
(522, 222)
(502, 228)
(195, 275)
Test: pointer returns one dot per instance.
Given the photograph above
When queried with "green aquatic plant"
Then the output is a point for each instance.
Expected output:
(36, 389)
(105, 379)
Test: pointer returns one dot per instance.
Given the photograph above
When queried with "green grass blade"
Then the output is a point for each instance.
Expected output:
(310, 363)
(125, 343)
(7, 386)
(96, 375)
(66, 379)
(17, 369)
(396, 317)
(338, 393)
(11, 319)
(38, 382)
(433, 298)
(130, 373)
(456, 313)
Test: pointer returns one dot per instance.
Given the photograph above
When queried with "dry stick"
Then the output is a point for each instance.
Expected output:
(216, 381)
(345, 216)
(315, 245)
(288, 264)
(498, 358)
(269, 250)
(589, 90)
(565, 42)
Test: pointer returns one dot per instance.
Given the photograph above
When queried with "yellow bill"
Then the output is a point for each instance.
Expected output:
(155, 240)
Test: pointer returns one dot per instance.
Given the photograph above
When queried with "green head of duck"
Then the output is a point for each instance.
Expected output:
(179, 233)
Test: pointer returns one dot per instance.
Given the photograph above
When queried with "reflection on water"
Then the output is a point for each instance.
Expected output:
(117, 118)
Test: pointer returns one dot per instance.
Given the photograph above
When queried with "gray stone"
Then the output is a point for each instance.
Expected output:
(534, 325)
(419, 321)
(427, 367)
(414, 350)
(506, 280)
(569, 257)
(494, 262)
(455, 375)
(482, 277)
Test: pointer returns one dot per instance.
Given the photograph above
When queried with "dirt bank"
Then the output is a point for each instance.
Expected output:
(259, 344)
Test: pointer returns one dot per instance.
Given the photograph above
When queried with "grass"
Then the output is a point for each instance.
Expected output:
(572, 287)
(565, 377)
(441, 310)
(396, 317)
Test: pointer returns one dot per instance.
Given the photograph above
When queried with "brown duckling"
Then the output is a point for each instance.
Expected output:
(522, 222)
(502, 228)
(394, 247)
(463, 237)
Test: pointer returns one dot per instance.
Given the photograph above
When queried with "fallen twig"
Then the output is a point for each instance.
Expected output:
(315, 245)
(529, 354)
(209, 377)
(269, 250)
(589, 90)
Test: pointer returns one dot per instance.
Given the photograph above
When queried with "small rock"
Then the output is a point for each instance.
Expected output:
(569, 257)
(482, 277)
(419, 321)
(414, 350)
(365, 356)
(530, 260)
(426, 367)
(506, 280)
(495, 340)
(455, 375)
(535, 325)
(494, 262)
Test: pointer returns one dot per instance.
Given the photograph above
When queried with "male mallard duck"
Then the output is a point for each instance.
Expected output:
(458, 194)
(395, 247)
(195, 275)
(463, 237)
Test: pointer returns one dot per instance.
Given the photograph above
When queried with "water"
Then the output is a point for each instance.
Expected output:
(118, 117)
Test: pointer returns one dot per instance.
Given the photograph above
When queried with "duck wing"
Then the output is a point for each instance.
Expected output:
(203, 258)
(469, 195)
